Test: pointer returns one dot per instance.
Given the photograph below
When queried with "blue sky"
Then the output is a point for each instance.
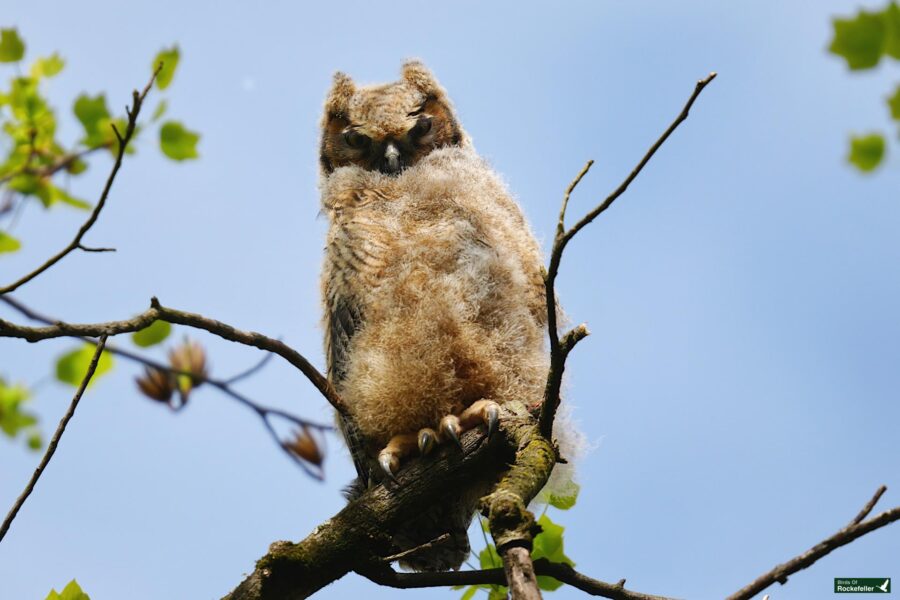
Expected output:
(740, 387)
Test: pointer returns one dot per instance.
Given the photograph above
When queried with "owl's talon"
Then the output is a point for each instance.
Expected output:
(451, 429)
(389, 463)
(427, 439)
(492, 411)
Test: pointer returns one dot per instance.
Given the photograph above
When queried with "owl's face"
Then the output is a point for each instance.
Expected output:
(387, 127)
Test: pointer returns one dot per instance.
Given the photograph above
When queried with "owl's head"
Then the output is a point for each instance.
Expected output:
(387, 127)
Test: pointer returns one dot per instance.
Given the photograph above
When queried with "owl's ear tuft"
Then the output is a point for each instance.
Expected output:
(338, 100)
(417, 74)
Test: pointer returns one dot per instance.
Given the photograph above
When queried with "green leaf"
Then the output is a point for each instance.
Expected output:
(47, 67)
(498, 592)
(564, 498)
(549, 544)
(169, 59)
(12, 48)
(60, 195)
(35, 442)
(152, 335)
(894, 104)
(77, 167)
(859, 40)
(71, 592)
(8, 243)
(160, 110)
(891, 16)
(866, 151)
(177, 142)
(489, 559)
(91, 111)
(12, 419)
(72, 366)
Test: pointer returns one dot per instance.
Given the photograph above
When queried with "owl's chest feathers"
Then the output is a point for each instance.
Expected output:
(379, 251)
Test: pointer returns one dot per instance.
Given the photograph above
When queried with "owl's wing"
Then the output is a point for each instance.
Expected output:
(345, 319)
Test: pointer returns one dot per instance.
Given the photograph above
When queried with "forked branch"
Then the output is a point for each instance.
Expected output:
(123, 139)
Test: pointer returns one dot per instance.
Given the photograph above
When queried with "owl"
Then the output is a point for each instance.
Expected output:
(434, 306)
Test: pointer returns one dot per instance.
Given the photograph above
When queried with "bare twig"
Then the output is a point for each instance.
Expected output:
(123, 139)
(858, 527)
(54, 442)
(563, 237)
(159, 312)
(251, 371)
(542, 566)
(441, 539)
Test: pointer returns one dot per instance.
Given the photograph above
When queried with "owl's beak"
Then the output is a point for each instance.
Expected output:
(391, 158)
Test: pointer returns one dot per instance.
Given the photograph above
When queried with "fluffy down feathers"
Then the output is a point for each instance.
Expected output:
(445, 274)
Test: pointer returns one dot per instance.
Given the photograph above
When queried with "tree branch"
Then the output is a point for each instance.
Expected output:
(123, 139)
(559, 571)
(159, 312)
(54, 442)
(263, 412)
(858, 527)
(563, 237)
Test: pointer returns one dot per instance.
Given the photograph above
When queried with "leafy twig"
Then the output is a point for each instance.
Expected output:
(123, 139)
(159, 312)
(263, 412)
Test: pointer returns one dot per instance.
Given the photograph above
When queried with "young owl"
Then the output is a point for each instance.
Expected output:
(434, 299)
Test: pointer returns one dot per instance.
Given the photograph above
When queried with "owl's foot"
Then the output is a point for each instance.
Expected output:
(482, 411)
(451, 427)
(403, 445)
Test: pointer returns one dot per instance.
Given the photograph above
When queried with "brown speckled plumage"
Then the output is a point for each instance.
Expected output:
(432, 281)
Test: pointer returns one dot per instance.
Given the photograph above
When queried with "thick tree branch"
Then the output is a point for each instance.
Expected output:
(358, 537)
(858, 527)
(54, 442)
(123, 139)
(159, 312)
(563, 237)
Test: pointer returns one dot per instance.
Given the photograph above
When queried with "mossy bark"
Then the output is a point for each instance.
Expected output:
(359, 535)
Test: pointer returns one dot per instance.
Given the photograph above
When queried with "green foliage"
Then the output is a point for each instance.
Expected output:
(177, 142)
(35, 157)
(169, 59)
(72, 366)
(12, 48)
(47, 67)
(862, 41)
(72, 591)
(8, 243)
(160, 110)
(866, 151)
(547, 544)
(152, 335)
(563, 498)
(13, 420)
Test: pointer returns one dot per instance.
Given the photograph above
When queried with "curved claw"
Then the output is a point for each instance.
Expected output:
(492, 413)
(427, 439)
(388, 463)
(450, 428)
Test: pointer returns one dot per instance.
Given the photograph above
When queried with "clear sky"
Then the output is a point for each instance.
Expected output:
(740, 387)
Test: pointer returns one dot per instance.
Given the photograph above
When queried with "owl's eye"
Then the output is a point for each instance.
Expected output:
(421, 128)
(356, 140)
